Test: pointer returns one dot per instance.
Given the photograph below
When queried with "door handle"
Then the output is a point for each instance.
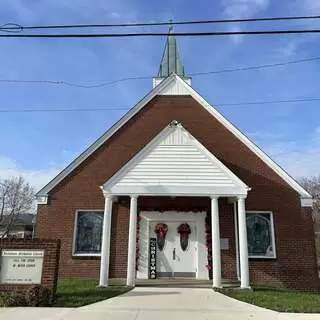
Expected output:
(174, 254)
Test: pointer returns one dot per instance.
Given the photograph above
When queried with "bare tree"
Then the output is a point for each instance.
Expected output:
(16, 197)
(312, 185)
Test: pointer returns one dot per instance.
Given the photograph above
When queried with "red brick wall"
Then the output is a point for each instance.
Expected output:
(80, 190)
(295, 266)
(50, 260)
(119, 241)
(227, 230)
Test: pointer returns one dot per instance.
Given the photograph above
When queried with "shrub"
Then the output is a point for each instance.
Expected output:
(12, 299)
(4, 299)
(38, 296)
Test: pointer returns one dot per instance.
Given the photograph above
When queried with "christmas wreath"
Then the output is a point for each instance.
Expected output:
(184, 230)
(161, 230)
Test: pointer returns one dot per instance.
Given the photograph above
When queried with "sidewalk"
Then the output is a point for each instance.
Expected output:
(158, 303)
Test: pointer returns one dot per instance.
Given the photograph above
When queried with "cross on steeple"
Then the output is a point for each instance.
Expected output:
(171, 62)
(171, 26)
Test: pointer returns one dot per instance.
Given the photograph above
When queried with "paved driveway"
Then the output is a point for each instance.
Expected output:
(157, 304)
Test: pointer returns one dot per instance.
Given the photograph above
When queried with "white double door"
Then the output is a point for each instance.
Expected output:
(172, 260)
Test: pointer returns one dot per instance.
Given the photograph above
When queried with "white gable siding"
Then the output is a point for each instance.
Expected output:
(177, 162)
(176, 165)
(156, 81)
(175, 88)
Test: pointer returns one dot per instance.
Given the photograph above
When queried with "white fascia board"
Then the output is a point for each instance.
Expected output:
(176, 190)
(157, 90)
(306, 202)
(41, 199)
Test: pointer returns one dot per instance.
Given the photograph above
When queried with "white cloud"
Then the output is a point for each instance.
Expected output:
(64, 11)
(305, 7)
(22, 10)
(236, 9)
(244, 8)
(299, 160)
(115, 15)
(313, 6)
(237, 38)
(37, 178)
(288, 49)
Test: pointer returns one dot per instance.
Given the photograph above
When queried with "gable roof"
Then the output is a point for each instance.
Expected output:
(172, 85)
(175, 162)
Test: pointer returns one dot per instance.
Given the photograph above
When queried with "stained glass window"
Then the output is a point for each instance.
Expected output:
(260, 235)
(88, 232)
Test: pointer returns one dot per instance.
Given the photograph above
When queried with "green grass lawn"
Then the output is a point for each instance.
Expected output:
(77, 293)
(278, 299)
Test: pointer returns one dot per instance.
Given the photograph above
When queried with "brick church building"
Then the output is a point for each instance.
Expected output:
(174, 190)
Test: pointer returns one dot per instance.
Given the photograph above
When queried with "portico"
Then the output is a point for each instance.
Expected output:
(173, 164)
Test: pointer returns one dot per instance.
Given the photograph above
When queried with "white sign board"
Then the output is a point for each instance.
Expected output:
(21, 266)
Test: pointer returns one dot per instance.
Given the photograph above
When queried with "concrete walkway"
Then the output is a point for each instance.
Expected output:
(157, 304)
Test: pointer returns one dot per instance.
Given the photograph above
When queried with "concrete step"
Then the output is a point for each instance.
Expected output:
(177, 283)
(184, 283)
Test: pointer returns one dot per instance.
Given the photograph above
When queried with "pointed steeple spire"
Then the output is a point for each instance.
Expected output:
(171, 62)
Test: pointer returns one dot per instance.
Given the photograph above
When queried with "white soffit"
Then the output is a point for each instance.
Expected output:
(175, 88)
(168, 85)
(175, 163)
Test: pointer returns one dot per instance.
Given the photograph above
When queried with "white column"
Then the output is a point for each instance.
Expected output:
(236, 234)
(216, 254)
(243, 244)
(105, 242)
(131, 270)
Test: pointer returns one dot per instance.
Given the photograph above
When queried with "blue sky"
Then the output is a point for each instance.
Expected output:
(38, 145)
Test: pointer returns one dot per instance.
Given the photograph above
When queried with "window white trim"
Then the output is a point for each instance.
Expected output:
(274, 256)
(75, 229)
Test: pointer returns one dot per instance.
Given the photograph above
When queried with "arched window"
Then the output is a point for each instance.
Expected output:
(88, 232)
(260, 232)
